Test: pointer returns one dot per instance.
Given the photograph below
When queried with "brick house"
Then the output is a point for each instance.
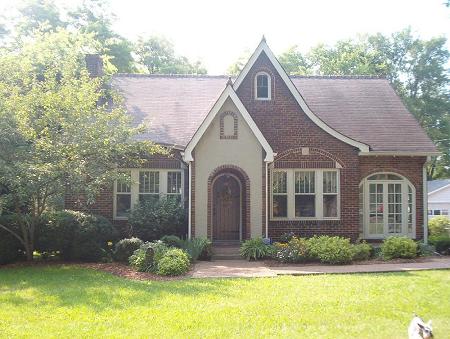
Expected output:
(267, 153)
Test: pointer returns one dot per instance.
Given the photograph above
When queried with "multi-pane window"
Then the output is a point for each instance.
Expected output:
(330, 194)
(148, 185)
(123, 196)
(174, 184)
(279, 194)
(305, 197)
(308, 194)
(262, 86)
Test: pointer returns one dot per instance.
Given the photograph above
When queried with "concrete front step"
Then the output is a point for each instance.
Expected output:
(226, 250)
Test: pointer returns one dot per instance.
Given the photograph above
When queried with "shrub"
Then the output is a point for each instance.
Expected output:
(439, 225)
(255, 249)
(197, 247)
(398, 247)
(151, 220)
(146, 258)
(295, 251)
(441, 243)
(362, 251)
(172, 240)
(125, 249)
(331, 250)
(9, 245)
(425, 250)
(76, 235)
(174, 262)
(286, 237)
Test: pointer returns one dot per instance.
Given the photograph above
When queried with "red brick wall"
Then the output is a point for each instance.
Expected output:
(286, 127)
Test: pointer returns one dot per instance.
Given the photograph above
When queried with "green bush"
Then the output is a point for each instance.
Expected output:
(197, 248)
(172, 240)
(425, 250)
(174, 262)
(295, 251)
(10, 247)
(398, 247)
(362, 251)
(439, 225)
(255, 249)
(76, 235)
(125, 248)
(330, 250)
(146, 258)
(286, 237)
(441, 243)
(151, 220)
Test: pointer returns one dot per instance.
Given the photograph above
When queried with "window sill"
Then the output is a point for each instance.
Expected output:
(120, 218)
(263, 99)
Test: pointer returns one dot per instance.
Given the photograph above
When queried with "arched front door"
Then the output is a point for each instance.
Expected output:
(227, 208)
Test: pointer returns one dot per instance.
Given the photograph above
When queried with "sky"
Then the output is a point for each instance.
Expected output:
(219, 32)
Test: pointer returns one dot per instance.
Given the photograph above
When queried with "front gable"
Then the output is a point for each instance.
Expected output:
(283, 92)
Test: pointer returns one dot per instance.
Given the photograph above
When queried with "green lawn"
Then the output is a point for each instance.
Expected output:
(71, 302)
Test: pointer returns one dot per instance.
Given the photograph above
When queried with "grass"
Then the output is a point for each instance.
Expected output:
(63, 302)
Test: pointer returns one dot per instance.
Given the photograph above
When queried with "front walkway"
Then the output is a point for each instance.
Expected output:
(246, 269)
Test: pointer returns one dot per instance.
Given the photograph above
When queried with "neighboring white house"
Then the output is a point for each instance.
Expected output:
(438, 197)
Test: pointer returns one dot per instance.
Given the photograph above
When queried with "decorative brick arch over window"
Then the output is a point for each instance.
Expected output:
(223, 116)
(245, 183)
(313, 158)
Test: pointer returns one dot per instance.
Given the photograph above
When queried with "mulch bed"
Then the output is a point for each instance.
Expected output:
(117, 269)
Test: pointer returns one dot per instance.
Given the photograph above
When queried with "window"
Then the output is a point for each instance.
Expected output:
(330, 194)
(123, 196)
(279, 198)
(305, 198)
(174, 184)
(305, 194)
(437, 212)
(444, 212)
(389, 206)
(146, 185)
(262, 86)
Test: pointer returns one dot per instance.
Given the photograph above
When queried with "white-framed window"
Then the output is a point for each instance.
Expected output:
(145, 185)
(305, 194)
(389, 205)
(263, 86)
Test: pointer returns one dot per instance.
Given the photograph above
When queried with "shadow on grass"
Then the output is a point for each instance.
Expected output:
(69, 286)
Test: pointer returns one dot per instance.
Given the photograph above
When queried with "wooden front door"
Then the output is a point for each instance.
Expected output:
(226, 208)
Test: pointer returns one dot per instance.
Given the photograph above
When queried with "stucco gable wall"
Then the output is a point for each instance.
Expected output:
(212, 152)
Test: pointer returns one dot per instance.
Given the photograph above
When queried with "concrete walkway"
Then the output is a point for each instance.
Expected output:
(246, 269)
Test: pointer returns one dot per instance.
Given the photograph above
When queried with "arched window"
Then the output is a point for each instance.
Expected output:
(263, 86)
(387, 206)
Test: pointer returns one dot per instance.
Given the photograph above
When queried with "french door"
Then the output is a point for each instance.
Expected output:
(385, 215)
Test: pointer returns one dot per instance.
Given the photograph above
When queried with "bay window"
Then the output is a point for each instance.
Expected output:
(305, 194)
(144, 185)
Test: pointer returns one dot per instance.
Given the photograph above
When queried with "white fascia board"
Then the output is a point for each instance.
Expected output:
(398, 153)
(227, 93)
(319, 122)
(439, 189)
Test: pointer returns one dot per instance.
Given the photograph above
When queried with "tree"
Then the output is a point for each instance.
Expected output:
(39, 14)
(235, 68)
(54, 133)
(95, 16)
(158, 56)
(416, 68)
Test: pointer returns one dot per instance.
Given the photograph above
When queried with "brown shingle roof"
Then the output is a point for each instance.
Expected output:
(365, 109)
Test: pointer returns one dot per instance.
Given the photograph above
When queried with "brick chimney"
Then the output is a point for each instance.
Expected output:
(94, 65)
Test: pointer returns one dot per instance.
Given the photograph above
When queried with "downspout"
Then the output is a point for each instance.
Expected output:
(425, 201)
(190, 201)
(267, 200)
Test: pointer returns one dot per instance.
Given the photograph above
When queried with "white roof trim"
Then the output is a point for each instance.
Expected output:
(227, 93)
(319, 122)
(439, 189)
(399, 153)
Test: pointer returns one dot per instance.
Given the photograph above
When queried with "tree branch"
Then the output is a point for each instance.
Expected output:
(14, 234)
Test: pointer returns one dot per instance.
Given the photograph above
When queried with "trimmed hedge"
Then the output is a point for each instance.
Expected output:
(173, 262)
(398, 247)
(331, 250)
(441, 243)
(125, 248)
(439, 225)
(146, 258)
